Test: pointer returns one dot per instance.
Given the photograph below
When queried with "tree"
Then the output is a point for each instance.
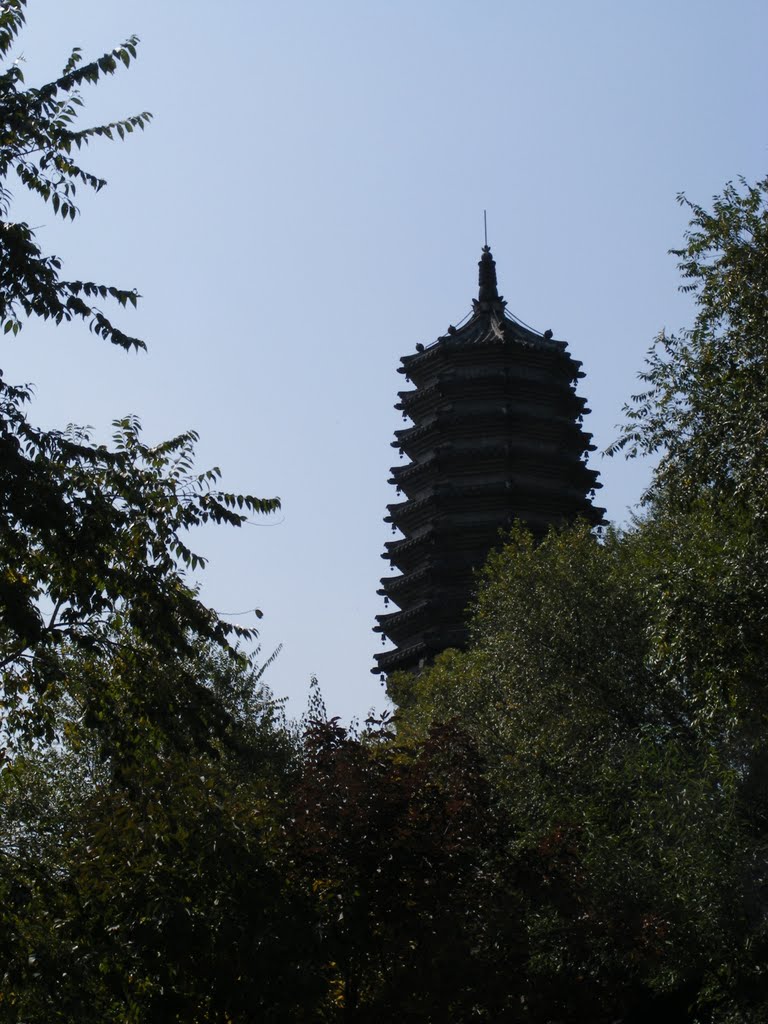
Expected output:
(702, 543)
(93, 540)
(704, 407)
(39, 145)
(705, 413)
(616, 688)
(153, 887)
(416, 906)
(623, 821)
(139, 876)
(95, 559)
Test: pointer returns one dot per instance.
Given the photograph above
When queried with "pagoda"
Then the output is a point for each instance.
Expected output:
(496, 437)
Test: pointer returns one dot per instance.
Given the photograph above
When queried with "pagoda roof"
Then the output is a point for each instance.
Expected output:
(487, 328)
(500, 380)
(489, 324)
(464, 491)
(394, 548)
(401, 618)
(391, 584)
(548, 424)
(485, 452)
(399, 657)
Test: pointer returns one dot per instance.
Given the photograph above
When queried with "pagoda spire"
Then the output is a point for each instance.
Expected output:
(489, 291)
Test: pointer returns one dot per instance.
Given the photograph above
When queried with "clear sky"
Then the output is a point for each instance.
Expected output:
(307, 206)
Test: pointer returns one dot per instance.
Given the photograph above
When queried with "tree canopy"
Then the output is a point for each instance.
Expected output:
(96, 559)
(565, 822)
(616, 685)
(40, 146)
(703, 408)
(139, 742)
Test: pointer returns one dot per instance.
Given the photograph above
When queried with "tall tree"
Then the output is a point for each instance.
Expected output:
(40, 145)
(704, 411)
(93, 540)
(137, 879)
(704, 408)
(607, 793)
(616, 688)
(152, 886)
(416, 909)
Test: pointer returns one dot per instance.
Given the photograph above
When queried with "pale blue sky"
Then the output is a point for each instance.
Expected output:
(307, 206)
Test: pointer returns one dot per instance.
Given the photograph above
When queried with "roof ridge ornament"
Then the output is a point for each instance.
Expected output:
(487, 277)
(488, 293)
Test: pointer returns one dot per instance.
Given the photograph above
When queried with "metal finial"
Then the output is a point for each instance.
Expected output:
(485, 226)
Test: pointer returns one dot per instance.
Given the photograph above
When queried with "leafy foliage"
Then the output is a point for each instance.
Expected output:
(405, 860)
(96, 558)
(616, 688)
(568, 821)
(704, 408)
(138, 875)
(151, 888)
(592, 757)
(39, 143)
(94, 540)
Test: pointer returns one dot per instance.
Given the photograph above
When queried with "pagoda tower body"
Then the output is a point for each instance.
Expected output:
(496, 437)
